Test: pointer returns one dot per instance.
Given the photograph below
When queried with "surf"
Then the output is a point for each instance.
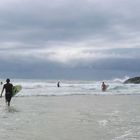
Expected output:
(40, 87)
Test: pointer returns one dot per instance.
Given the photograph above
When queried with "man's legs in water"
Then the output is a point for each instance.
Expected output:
(8, 103)
(8, 98)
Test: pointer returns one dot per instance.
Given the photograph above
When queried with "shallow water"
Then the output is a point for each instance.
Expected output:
(74, 117)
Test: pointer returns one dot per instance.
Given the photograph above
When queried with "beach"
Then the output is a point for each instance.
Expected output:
(71, 117)
(70, 69)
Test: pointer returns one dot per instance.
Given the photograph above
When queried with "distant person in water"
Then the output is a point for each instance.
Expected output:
(58, 84)
(1, 83)
(8, 91)
(104, 86)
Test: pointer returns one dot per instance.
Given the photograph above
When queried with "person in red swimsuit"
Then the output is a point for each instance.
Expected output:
(103, 86)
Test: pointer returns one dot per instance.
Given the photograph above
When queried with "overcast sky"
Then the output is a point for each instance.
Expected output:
(69, 39)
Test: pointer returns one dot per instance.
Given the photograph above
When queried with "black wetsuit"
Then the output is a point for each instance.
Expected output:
(8, 91)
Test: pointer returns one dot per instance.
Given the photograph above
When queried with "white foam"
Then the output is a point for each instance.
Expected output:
(47, 88)
(126, 133)
(103, 123)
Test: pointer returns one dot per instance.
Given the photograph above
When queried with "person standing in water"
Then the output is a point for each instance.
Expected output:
(103, 86)
(8, 91)
(58, 84)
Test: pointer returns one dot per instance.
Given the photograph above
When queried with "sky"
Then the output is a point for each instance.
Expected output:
(69, 39)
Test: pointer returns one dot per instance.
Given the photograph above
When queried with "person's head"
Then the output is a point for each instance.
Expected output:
(8, 80)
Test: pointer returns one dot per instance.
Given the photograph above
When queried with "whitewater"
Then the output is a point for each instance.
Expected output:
(49, 87)
(78, 110)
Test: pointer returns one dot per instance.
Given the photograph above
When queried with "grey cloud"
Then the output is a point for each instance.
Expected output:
(28, 27)
(105, 69)
(70, 20)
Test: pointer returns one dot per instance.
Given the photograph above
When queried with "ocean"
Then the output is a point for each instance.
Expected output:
(49, 87)
(77, 110)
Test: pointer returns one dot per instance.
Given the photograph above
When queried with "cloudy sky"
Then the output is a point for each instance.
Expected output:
(69, 39)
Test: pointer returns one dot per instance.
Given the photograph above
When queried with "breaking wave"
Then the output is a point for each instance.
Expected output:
(49, 88)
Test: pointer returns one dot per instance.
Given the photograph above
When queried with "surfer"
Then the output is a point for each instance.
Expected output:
(8, 91)
(104, 86)
(58, 84)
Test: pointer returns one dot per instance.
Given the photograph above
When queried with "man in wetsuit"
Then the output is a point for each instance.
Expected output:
(8, 91)
(58, 84)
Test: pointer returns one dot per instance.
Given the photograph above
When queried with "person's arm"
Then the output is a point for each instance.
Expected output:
(2, 91)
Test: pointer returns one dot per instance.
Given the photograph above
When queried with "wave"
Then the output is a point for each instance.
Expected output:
(119, 88)
(81, 94)
(49, 88)
(121, 80)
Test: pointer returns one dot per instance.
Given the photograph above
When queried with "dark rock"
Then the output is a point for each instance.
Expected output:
(135, 80)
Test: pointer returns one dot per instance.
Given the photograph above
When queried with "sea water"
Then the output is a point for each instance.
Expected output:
(77, 110)
(49, 87)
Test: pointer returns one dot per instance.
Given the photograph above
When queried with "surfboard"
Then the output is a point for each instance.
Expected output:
(16, 89)
(107, 86)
